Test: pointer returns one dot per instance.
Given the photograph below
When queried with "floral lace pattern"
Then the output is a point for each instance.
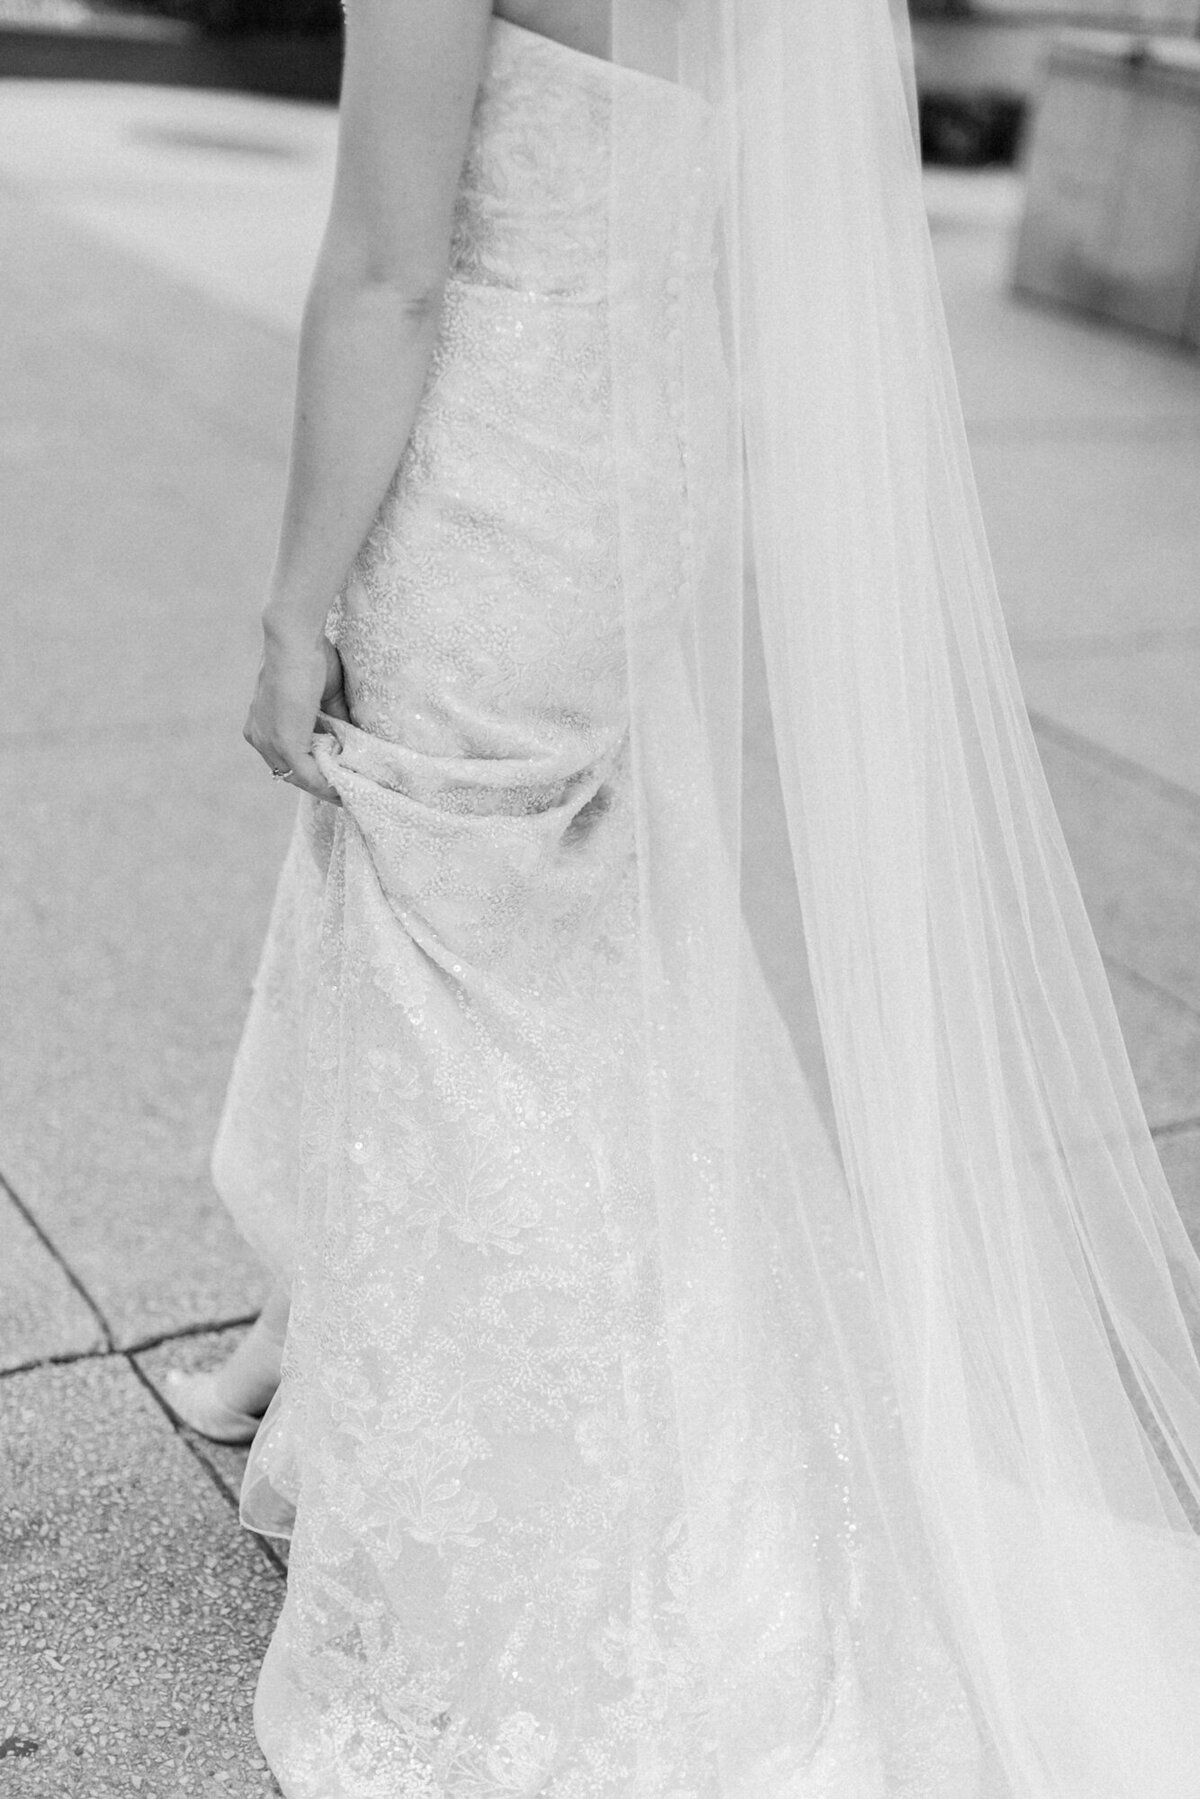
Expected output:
(506, 1577)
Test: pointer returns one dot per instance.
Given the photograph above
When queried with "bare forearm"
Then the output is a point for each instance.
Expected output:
(364, 354)
(409, 85)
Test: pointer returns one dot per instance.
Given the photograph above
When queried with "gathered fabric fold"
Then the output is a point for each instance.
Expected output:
(692, 1391)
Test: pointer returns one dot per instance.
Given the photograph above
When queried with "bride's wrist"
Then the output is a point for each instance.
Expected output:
(287, 626)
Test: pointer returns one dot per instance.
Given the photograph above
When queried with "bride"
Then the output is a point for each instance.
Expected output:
(677, 1403)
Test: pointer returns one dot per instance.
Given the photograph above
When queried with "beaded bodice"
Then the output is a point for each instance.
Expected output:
(553, 431)
(530, 1558)
(535, 202)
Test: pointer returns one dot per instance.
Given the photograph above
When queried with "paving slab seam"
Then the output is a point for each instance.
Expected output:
(194, 1449)
(1115, 763)
(1148, 985)
(1178, 1127)
(213, 1327)
(65, 1359)
(263, 1544)
(57, 1257)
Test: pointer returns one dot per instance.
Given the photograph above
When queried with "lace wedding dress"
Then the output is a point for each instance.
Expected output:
(489, 1577)
(576, 1506)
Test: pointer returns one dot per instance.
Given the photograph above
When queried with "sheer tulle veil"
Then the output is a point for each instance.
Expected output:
(741, 1335)
(975, 1261)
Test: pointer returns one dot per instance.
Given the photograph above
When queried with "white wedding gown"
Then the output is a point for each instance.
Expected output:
(573, 1507)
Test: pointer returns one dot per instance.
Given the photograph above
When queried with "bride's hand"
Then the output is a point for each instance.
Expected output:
(297, 680)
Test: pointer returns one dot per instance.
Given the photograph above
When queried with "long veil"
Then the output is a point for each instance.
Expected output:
(928, 1294)
(701, 1386)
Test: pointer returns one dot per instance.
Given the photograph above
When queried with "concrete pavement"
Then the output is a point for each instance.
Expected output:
(154, 246)
(1086, 443)
(142, 445)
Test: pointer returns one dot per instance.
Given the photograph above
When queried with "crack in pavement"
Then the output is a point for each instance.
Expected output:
(56, 1256)
(1175, 1127)
(128, 1354)
(113, 1352)
(1089, 749)
(214, 1474)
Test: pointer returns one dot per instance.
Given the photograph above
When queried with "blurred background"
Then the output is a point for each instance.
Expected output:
(164, 172)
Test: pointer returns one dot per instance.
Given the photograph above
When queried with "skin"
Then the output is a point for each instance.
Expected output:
(583, 24)
(410, 81)
(412, 73)
(248, 1378)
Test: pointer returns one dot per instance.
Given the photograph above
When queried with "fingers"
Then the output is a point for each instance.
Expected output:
(293, 687)
(301, 769)
(304, 774)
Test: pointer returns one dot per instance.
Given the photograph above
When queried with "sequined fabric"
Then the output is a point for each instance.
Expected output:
(507, 1577)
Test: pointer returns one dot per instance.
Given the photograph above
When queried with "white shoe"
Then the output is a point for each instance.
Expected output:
(194, 1400)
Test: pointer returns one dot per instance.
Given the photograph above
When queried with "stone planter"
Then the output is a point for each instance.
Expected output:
(1112, 214)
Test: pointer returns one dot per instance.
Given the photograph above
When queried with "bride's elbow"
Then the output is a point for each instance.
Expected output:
(412, 288)
(418, 298)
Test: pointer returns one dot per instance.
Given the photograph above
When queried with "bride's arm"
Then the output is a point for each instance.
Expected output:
(411, 75)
